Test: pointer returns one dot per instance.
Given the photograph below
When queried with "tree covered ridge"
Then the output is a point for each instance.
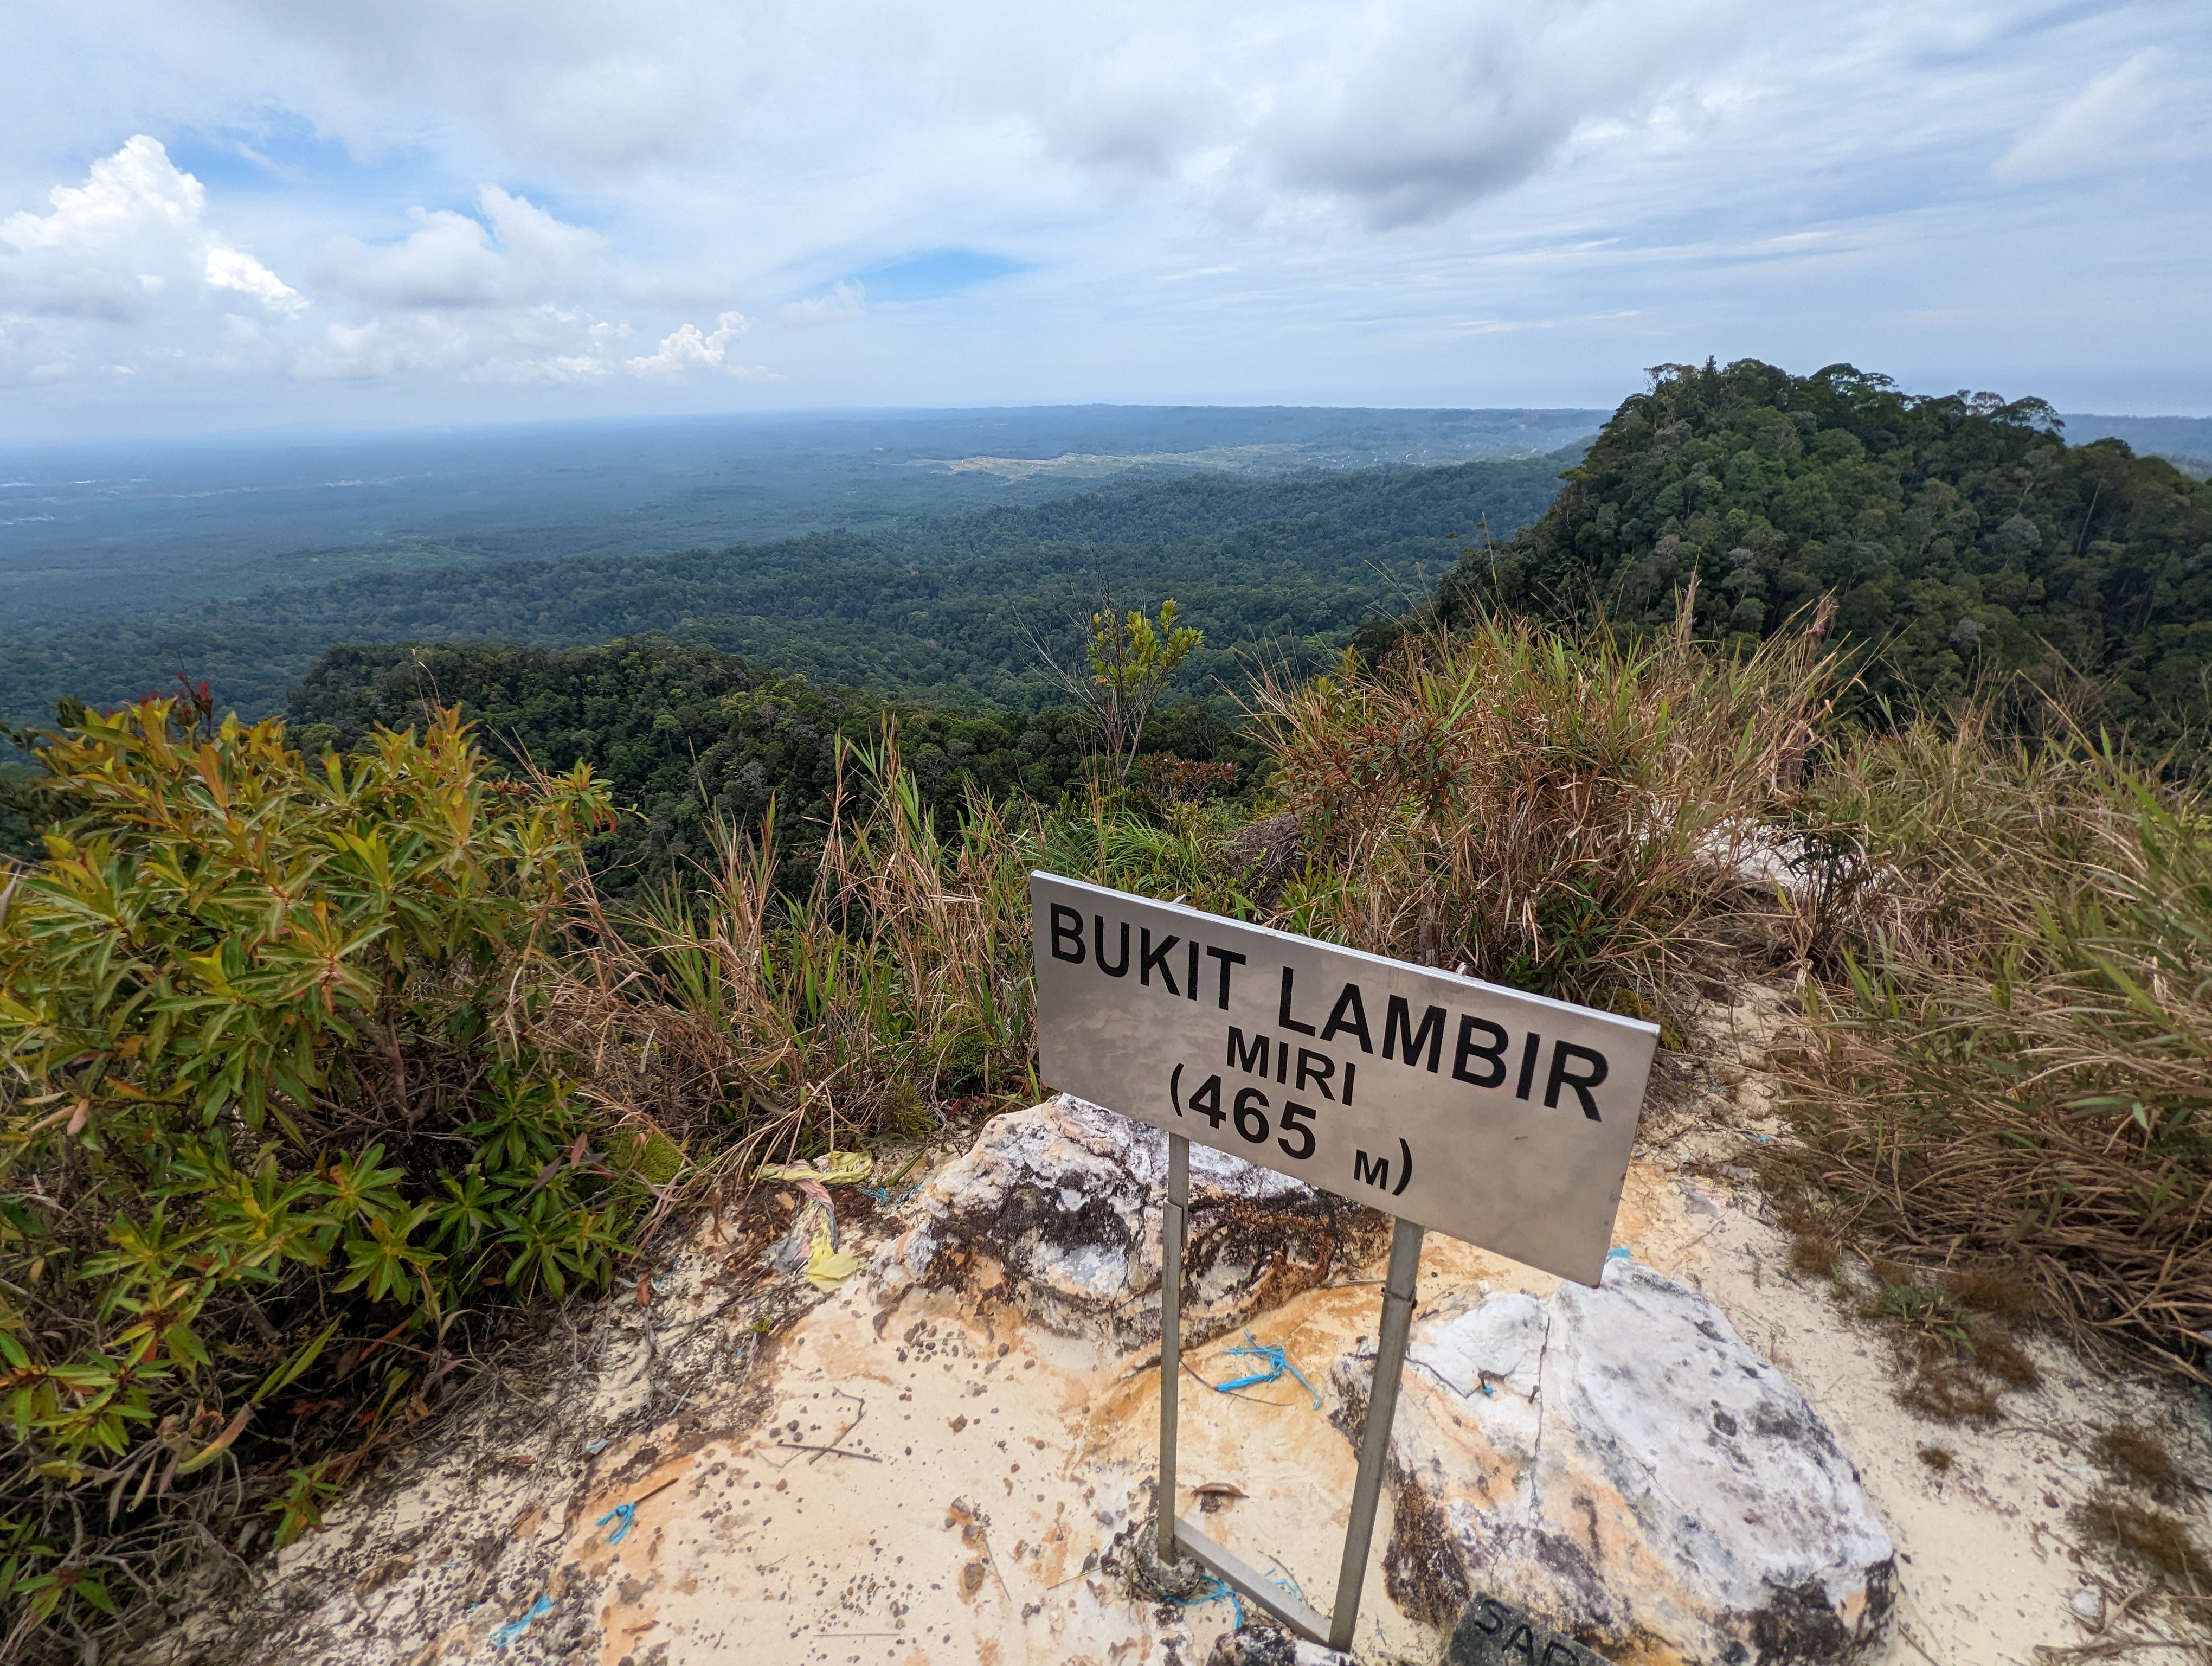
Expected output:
(1959, 534)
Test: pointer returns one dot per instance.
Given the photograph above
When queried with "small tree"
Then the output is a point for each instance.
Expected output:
(1132, 658)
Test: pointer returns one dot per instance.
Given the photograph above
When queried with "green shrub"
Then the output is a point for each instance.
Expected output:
(276, 1125)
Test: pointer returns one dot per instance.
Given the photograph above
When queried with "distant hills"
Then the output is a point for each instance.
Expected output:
(927, 555)
(2186, 441)
(1277, 568)
(150, 525)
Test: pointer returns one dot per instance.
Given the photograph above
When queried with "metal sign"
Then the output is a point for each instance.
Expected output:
(1501, 1118)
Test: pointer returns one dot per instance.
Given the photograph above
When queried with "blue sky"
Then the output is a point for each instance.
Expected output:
(240, 213)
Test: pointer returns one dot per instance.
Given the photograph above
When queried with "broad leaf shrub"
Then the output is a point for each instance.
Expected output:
(275, 1130)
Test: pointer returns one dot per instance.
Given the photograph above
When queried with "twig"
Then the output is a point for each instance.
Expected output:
(992, 1556)
(837, 1439)
(838, 1451)
(1905, 1632)
(1090, 1566)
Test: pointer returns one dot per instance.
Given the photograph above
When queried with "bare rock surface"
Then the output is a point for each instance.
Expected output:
(1057, 1208)
(1264, 1645)
(927, 1478)
(1617, 1462)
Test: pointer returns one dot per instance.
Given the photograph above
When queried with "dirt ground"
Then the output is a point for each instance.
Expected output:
(827, 1479)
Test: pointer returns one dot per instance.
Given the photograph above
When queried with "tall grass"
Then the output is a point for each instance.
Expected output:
(1563, 815)
(747, 1024)
(2012, 1066)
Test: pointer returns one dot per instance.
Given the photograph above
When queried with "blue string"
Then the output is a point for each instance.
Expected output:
(1278, 1360)
(515, 1628)
(1221, 1589)
(883, 1194)
(621, 1514)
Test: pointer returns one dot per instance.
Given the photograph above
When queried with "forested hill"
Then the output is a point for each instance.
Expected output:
(950, 611)
(1961, 536)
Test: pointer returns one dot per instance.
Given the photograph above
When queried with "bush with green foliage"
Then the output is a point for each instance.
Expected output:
(274, 1127)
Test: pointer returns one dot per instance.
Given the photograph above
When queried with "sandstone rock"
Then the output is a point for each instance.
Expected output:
(1264, 1645)
(1058, 1209)
(1619, 1464)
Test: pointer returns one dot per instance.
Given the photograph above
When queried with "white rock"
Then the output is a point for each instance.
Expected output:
(1058, 1209)
(1635, 1476)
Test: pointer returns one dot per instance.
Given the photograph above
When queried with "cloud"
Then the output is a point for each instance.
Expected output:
(1141, 108)
(1374, 190)
(845, 299)
(517, 255)
(540, 346)
(128, 244)
(2101, 125)
(1416, 108)
(687, 345)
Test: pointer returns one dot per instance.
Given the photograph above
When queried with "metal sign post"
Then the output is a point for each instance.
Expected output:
(1329, 1065)
(1176, 1534)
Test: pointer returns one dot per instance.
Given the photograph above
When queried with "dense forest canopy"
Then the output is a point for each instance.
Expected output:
(683, 735)
(950, 610)
(1960, 536)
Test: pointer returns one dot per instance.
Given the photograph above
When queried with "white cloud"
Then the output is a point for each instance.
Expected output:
(845, 299)
(112, 247)
(2102, 125)
(517, 255)
(1419, 107)
(1379, 199)
(540, 346)
(688, 345)
(234, 268)
(1142, 106)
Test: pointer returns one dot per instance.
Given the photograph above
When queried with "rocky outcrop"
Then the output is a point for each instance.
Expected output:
(1619, 1464)
(1057, 1209)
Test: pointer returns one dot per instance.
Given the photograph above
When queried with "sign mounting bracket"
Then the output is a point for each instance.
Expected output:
(1178, 1537)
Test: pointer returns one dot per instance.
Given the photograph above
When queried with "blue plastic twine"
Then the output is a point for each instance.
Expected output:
(622, 1514)
(515, 1628)
(1278, 1362)
(1220, 1589)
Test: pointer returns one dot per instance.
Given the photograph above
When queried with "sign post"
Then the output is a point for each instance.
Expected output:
(1502, 1118)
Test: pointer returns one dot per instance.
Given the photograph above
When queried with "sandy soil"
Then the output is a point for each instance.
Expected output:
(980, 1472)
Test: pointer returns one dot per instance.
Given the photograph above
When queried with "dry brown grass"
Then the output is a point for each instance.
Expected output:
(2148, 1535)
(2011, 1068)
(2134, 1454)
(1560, 815)
(746, 1026)
(1813, 1255)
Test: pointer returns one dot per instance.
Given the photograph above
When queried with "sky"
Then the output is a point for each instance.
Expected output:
(226, 215)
